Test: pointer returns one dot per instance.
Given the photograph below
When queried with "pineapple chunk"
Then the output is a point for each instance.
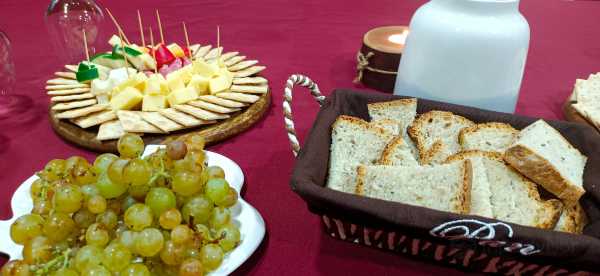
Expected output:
(205, 69)
(181, 96)
(199, 84)
(127, 99)
(176, 50)
(174, 81)
(154, 102)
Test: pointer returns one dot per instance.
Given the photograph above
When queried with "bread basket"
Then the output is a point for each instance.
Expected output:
(466, 242)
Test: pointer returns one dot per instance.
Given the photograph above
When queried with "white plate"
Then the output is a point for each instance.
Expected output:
(252, 225)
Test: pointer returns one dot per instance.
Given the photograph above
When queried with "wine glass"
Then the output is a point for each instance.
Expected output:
(66, 19)
(8, 102)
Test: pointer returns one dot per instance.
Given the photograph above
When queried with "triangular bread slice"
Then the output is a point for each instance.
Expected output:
(353, 142)
(514, 198)
(492, 136)
(441, 187)
(541, 153)
(572, 220)
(436, 135)
(398, 153)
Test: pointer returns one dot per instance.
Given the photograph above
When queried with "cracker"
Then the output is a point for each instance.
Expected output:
(213, 53)
(202, 51)
(228, 55)
(79, 112)
(75, 104)
(242, 65)
(95, 118)
(132, 122)
(68, 91)
(212, 107)
(66, 86)
(234, 60)
(70, 67)
(249, 71)
(252, 89)
(194, 48)
(250, 80)
(240, 97)
(66, 75)
(200, 113)
(61, 81)
(222, 102)
(182, 118)
(161, 121)
(67, 98)
(110, 130)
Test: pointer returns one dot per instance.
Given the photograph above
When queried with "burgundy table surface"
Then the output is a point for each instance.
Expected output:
(316, 38)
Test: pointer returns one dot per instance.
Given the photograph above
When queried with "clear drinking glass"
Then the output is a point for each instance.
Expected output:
(8, 102)
(66, 19)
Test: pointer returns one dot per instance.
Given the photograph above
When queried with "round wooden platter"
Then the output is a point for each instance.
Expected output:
(237, 123)
(573, 116)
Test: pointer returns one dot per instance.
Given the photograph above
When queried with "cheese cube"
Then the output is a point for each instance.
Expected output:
(199, 84)
(219, 83)
(205, 69)
(174, 81)
(181, 96)
(227, 73)
(137, 81)
(127, 99)
(186, 73)
(154, 102)
(101, 87)
(176, 50)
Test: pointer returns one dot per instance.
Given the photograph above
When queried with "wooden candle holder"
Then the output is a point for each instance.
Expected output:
(379, 57)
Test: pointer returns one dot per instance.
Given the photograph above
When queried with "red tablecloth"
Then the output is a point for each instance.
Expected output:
(317, 38)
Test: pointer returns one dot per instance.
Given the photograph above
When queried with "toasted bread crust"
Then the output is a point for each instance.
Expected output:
(466, 187)
(574, 221)
(361, 172)
(382, 122)
(550, 214)
(360, 122)
(389, 150)
(475, 128)
(543, 172)
(465, 154)
(384, 105)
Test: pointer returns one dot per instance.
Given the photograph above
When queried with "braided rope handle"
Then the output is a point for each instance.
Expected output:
(303, 81)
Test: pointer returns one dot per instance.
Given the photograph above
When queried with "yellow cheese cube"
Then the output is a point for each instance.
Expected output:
(174, 81)
(176, 50)
(219, 83)
(205, 69)
(138, 81)
(186, 73)
(154, 102)
(127, 99)
(152, 87)
(227, 73)
(199, 84)
(181, 96)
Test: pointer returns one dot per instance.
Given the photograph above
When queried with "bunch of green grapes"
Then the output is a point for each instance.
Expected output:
(166, 214)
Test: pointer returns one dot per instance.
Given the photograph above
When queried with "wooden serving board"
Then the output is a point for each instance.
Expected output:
(213, 133)
(573, 116)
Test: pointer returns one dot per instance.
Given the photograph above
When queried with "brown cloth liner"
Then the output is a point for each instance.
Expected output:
(557, 248)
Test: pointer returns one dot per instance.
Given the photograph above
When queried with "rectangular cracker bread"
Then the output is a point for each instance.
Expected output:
(250, 89)
(242, 65)
(250, 71)
(182, 118)
(95, 118)
(79, 112)
(212, 107)
(68, 91)
(200, 113)
(110, 130)
(72, 105)
(222, 102)
(250, 80)
(239, 97)
(161, 121)
(132, 122)
(67, 98)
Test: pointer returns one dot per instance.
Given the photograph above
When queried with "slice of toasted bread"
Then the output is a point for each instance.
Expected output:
(572, 220)
(436, 135)
(402, 111)
(487, 137)
(441, 187)
(398, 153)
(541, 153)
(392, 126)
(353, 142)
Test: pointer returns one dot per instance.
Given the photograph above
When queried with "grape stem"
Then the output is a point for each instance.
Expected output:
(161, 173)
(62, 258)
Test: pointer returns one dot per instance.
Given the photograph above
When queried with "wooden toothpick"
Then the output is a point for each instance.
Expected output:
(124, 54)
(114, 20)
(218, 42)
(153, 51)
(141, 28)
(87, 53)
(162, 38)
(187, 39)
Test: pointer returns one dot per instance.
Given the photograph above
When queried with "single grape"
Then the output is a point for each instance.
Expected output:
(191, 267)
(96, 204)
(86, 256)
(64, 272)
(187, 183)
(109, 189)
(193, 253)
(135, 270)
(41, 207)
(172, 253)
(219, 217)
(170, 218)
(58, 226)
(127, 239)
(54, 169)
(127, 202)
(138, 217)
(197, 210)
(130, 146)
(97, 235)
(37, 250)
(137, 172)
(103, 161)
(26, 228)
(230, 198)
(195, 143)
(195, 161)
(108, 219)
(176, 150)
(95, 270)
(68, 199)
(89, 190)
(149, 242)
(75, 161)
(116, 171)
(181, 234)
(83, 173)
(160, 199)
(211, 256)
(139, 192)
(116, 257)
(15, 268)
(217, 189)
(35, 191)
(229, 237)
(215, 172)
(83, 218)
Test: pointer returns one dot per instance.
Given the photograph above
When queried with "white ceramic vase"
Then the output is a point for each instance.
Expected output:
(469, 52)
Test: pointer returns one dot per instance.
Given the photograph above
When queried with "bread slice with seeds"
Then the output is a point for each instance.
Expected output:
(436, 135)
(572, 220)
(541, 153)
(392, 126)
(353, 142)
(441, 187)
(487, 137)
(402, 111)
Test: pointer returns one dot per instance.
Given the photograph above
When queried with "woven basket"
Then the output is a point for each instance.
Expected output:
(475, 249)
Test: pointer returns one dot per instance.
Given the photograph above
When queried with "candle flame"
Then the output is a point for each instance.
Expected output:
(399, 38)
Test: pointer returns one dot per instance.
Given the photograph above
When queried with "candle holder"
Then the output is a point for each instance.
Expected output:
(379, 57)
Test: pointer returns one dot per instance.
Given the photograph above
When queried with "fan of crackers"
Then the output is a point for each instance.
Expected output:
(72, 100)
